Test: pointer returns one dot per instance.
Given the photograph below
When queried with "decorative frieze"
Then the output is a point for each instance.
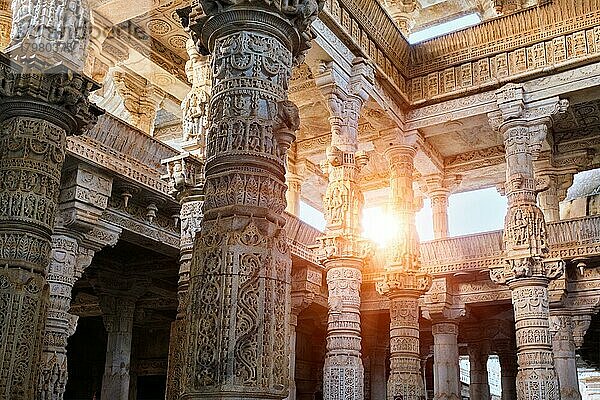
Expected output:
(504, 48)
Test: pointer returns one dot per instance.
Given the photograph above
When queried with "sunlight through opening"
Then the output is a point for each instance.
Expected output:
(442, 29)
(379, 226)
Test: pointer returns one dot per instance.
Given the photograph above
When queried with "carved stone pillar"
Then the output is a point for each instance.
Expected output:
(403, 282)
(378, 367)
(342, 249)
(438, 188)
(439, 208)
(479, 387)
(298, 304)
(294, 184)
(186, 182)
(446, 369)
(195, 105)
(526, 270)
(5, 23)
(118, 312)
(67, 263)
(34, 124)
(563, 346)
(239, 303)
(77, 235)
(508, 368)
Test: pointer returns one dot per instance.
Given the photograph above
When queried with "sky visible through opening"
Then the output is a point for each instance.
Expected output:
(444, 28)
(469, 212)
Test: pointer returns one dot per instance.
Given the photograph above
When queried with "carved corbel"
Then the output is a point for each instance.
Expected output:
(441, 303)
(185, 176)
(83, 197)
(581, 324)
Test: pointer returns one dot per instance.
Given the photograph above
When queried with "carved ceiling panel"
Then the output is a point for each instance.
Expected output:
(580, 121)
(462, 136)
(162, 23)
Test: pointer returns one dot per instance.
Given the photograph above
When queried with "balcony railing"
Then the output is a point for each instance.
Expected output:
(568, 239)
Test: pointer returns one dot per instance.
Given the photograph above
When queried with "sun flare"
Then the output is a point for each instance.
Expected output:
(380, 226)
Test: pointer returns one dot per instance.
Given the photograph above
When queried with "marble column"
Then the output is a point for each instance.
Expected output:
(34, 124)
(438, 188)
(479, 387)
(563, 347)
(78, 234)
(378, 367)
(118, 311)
(527, 272)
(186, 183)
(294, 184)
(237, 338)
(446, 369)
(403, 282)
(439, 208)
(342, 250)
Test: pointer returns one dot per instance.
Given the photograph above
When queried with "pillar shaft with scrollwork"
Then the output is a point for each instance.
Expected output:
(342, 250)
(238, 308)
(403, 282)
(527, 271)
(39, 107)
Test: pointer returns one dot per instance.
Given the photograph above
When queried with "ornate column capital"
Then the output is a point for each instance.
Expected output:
(132, 98)
(290, 23)
(54, 94)
(439, 184)
(345, 93)
(514, 110)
